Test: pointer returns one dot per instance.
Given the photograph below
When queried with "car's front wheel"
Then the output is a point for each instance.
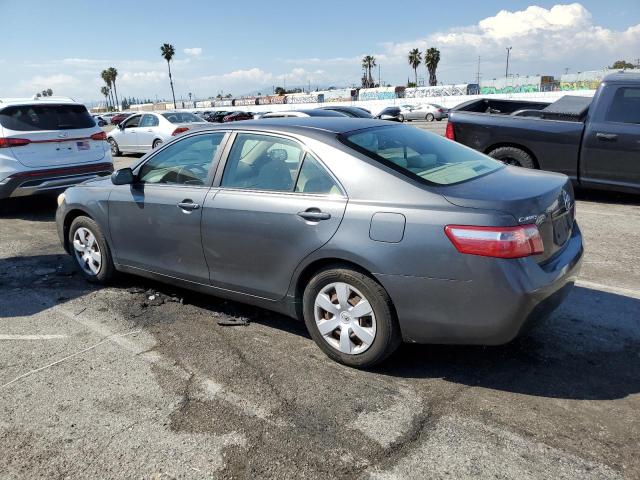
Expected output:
(401, 118)
(115, 150)
(90, 250)
(350, 317)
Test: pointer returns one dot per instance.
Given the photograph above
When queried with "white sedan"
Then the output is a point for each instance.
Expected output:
(145, 131)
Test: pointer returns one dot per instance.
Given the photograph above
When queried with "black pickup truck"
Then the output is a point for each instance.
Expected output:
(595, 141)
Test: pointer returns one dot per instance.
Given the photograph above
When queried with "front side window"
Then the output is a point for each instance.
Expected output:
(625, 107)
(28, 118)
(313, 178)
(132, 122)
(262, 162)
(186, 162)
(149, 121)
(421, 155)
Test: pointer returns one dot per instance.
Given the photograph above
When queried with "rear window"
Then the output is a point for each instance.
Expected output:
(26, 118)
(182, 117)
(420, 155)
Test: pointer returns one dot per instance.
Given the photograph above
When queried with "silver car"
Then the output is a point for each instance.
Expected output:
(372, 233)
(424, 111)
(142, 132)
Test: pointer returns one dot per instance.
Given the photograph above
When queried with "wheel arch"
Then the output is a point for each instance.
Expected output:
(528, 151)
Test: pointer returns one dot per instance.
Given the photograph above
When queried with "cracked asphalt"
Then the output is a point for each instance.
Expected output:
(141, 380)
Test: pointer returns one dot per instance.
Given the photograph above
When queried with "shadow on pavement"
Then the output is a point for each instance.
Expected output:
(37, 208)
(602, 196)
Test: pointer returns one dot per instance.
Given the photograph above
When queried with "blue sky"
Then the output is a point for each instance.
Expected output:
(246, 46)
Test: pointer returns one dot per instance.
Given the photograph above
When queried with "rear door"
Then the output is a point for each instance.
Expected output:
(147, 131)
(129, 136)
(275, 204)
(611, 144)
(57, 134)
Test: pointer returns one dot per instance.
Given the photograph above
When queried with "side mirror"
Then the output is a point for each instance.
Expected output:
(121, 125)
(124, 176)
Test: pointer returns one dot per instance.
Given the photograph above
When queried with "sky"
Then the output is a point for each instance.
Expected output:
(251, 46)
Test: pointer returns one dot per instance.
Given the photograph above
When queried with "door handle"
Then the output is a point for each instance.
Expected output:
(314, 215)
(188, 205)
(607, 137)
(149, 130)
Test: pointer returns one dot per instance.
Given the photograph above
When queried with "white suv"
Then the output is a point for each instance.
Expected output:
(48, 145)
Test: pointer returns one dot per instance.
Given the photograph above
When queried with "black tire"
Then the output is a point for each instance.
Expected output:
(401, 118)
(429, 117)
(513, 156)
(107, 270)
(387, 337)
(115, 150)
(156, 143)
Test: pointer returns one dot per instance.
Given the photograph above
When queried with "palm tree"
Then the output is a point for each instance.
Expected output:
(113, 74)
(167, 53)
(105, 91)
(415, 59)
(368, 62)
(49, 92)
(106, 76)
(431, 60)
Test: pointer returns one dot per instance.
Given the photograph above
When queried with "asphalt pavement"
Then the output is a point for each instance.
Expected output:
(141, 380)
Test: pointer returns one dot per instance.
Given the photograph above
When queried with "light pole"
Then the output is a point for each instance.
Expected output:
(506, 74)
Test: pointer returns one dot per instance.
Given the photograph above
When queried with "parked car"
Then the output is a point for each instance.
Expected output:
(354, 112)
(100, 120)
(259, 115)
(440, 244)
(237, 116)
(142, 132)
(217, 116)
(424, 111)
(108, 116)
(118, 118)
(391, 113)
(315, 112)
(593, 141)
(47, 145)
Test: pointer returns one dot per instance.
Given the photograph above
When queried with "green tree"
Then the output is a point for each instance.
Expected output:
(415, 59)
(431, 60)
(622, 65)
(105, 91)
(106, 76)
(113, 74)
(49, 92)
(368, 62)
(168, 52)
(280, 91)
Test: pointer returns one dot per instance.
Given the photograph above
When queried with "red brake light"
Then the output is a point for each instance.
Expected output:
(14, 142)
(500, 242)
(449, 133)
(179, 130)
(99, 136)
(440, 110)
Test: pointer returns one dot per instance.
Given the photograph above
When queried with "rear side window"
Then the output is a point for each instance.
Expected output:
(182, 117)
(27, 118)
(420, 155)
(625, 107)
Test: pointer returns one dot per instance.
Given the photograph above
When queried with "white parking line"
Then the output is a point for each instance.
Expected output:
(627, 292)
(31, 337)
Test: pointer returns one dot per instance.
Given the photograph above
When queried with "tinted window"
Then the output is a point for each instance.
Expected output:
(313, 178)
(182, 117)
(26, 118)
(262, 162)
(186, 162)
(421, 155)
(149, 121)
(132, 122)
(625, 107)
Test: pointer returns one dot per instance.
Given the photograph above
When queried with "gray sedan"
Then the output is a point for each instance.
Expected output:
(372, 233)
(142, 132)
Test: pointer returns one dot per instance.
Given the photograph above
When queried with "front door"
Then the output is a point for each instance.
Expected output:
(155, 222)
(275, 205)
(129, 138)
(611, 145)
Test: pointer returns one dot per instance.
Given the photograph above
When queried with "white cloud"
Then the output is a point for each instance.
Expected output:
(194, 52)
(140, 78)
(61, 84)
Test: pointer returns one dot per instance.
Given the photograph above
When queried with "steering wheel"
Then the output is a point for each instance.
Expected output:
(197, 171)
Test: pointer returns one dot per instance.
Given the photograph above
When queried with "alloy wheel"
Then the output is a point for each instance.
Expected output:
(345, 318)
(87, 251)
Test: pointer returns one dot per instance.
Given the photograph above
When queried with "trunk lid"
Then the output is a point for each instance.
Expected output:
(531, 197)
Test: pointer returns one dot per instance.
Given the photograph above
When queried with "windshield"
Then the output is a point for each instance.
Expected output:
(182, 117)
(421, 155)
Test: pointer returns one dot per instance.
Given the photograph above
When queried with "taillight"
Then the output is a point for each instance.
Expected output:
(449, 132)
(179, 130)
(99, 136)
(441, 110)
(501, 242)
(14, 142)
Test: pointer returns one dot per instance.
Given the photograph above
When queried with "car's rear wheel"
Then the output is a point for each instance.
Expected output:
(157, 143)
(350, 317)
(115, 150)
(401, 118)
(90, 250)
(429, 117)
(513, 156)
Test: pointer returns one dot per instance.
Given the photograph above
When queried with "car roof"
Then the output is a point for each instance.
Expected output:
(5, 102)
(622, 76)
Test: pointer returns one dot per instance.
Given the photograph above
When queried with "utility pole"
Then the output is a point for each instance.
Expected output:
(478, 73)
(506, 74)
(566, 70)
(379, 84)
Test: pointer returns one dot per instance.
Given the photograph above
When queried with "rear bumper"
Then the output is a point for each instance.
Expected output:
(502, 299)
(50, 181)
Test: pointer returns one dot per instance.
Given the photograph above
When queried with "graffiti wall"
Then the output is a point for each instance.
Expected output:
(583, 80)
(518, 84)
(223, 102)
(442, 90)
(244, 101)
(340, 95)
(298, 98)
(381, 93)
